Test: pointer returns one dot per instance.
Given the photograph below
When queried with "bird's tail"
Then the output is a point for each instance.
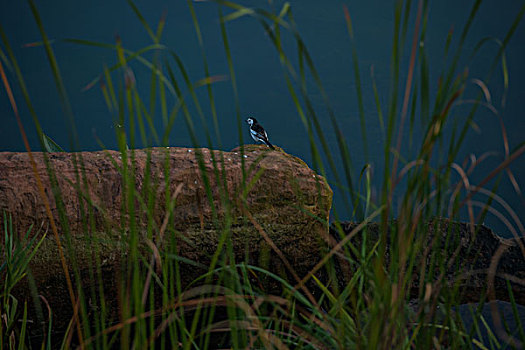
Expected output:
(269, 144)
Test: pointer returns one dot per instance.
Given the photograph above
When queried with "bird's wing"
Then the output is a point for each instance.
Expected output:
(259, 132)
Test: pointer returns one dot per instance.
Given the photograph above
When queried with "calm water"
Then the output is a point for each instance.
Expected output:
(262, 88)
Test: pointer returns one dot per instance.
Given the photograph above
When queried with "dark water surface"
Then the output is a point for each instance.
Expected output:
(262, 88)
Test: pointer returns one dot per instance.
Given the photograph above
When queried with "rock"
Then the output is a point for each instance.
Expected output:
(279, 196)
(498, 315)
(286, 182)
(469, 253)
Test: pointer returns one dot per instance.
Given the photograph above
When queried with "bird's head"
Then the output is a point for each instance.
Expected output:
(251, 121)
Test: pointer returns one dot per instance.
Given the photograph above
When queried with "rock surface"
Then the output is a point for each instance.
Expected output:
(501, 319)
(469, 255)
(276, 194)
(92, 184)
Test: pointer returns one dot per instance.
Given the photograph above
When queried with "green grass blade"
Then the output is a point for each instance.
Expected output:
(50, 145)
(68, 111)
(143, 21)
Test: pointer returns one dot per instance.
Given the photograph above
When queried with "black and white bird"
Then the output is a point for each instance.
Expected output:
(257, 132)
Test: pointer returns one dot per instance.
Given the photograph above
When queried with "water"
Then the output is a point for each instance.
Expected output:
(262, 89)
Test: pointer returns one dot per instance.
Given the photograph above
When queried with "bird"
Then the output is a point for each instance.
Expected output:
(257, 132)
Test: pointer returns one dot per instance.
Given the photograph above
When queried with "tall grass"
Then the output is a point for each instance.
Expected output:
(18, 250)
(371, 306)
